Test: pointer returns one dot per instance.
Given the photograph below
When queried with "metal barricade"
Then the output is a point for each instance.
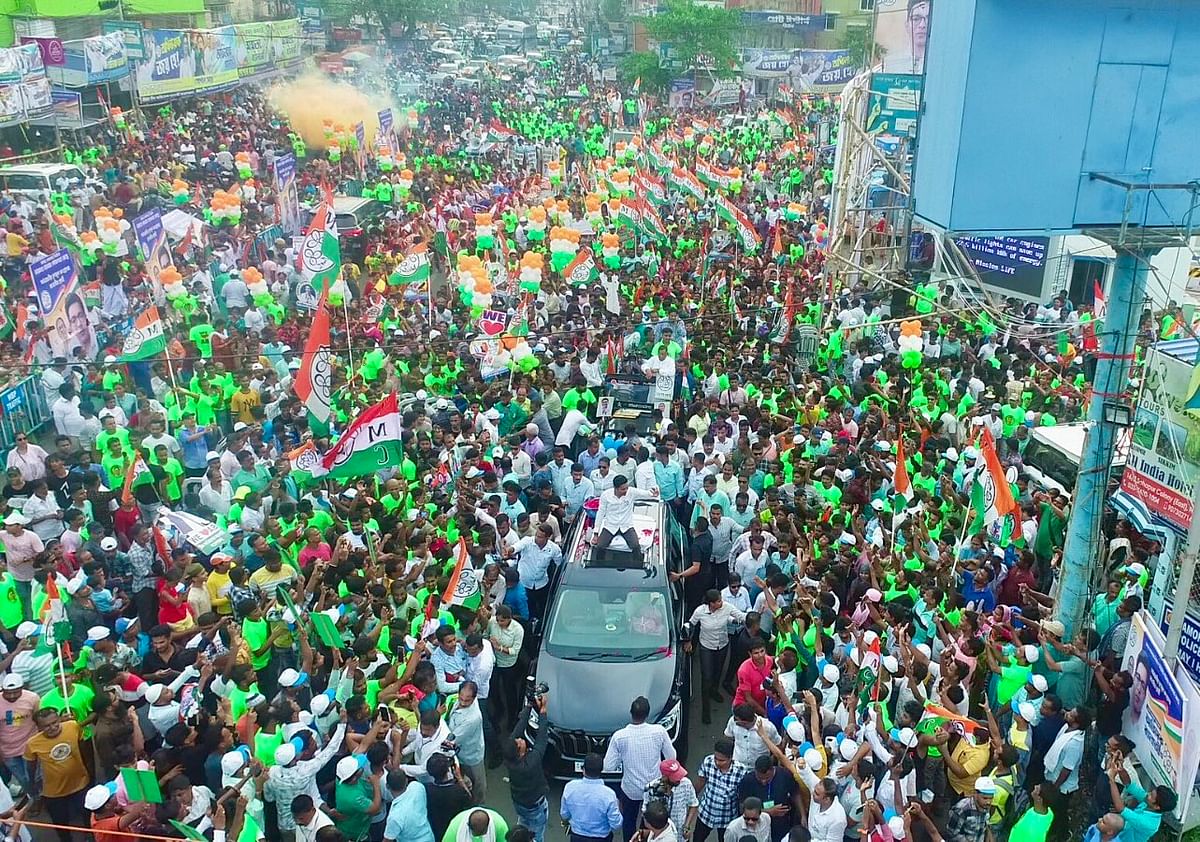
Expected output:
(23, 409)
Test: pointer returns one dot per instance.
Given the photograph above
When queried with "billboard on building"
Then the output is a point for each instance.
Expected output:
(894, 101)
(901, 31)
(802, 70)
(180, 62)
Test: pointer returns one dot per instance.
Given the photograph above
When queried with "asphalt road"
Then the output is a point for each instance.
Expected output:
(700, 741)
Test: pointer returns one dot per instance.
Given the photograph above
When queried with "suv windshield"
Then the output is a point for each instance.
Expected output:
(608, 623)
(1052, 463)
(626, 392)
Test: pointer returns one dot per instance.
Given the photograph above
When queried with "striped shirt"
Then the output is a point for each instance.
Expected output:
(719, 799)
(635, 751)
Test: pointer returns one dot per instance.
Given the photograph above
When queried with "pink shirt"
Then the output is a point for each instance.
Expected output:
(318, 553)
(750, 679)
(20, 551)
(16, 723)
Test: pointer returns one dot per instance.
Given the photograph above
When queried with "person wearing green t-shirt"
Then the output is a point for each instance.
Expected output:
(357, 795)
(481, 822)
(174, 472)
(1034, 824)
(260, 637)
(201, 336)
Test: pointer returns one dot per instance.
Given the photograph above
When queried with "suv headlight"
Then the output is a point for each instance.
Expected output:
(671, 719)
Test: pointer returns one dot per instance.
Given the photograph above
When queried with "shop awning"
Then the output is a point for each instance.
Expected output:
(1139, 517)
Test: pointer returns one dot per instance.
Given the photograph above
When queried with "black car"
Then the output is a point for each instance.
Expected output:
(612, 633)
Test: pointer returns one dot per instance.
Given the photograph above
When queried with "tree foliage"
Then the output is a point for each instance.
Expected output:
(860, 40)
(408, 13)
(701, 36)
(645, 66)
(613, 10)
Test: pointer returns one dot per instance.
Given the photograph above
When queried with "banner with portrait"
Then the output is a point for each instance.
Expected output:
(1157, 716)
(61, 306)
(901, 33)
(287, 198)
(152, 241)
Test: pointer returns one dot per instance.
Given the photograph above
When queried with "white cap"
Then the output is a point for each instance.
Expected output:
(847, 749)
(108, 544)
(1039, 683)
(421, 394)
(15, 518)
(28, 629)
(239, 426)
(442, 403)
(320, 704)
(890, 663)
(907, 737)
(153, 693)
(232, 762)
(211, 455)
(12, 681)
(97, 797)
(1027, 711)
(1031, 653)
(348, 767)
(831, 673)
(98, 633)
(291, 678)
(814, 759)
(896, 826)
(286, 753)
(795, 731)
(492, 414)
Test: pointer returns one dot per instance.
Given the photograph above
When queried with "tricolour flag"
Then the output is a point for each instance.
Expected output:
(147, 337)
(499, 133)
(659, 159)
(138, 473)
(581, 270)
(413, 272)
(463, 587)
(712, 175)
(370, 443)
(652, 223)
(901, 484)
(685, 182)
(56, 629)
(630, 212)
(314, 380)
(991, 495)
(743, 228)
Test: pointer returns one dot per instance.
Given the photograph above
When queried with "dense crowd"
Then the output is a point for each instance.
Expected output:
(883, 651)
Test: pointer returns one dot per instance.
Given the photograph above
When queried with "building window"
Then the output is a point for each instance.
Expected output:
(866, 5)
(831, 21)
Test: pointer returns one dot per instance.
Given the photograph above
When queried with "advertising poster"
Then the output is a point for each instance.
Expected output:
(1163, 463)
(20, 63)
(901, 31)
(61, 305)
(360, 152)
(152, 241)
(288, 198)
(68, 105)
(385, 129)
(286, 40)
(36, 96)
(803, 70)
(254, 53)
(92, 61)
(1014, 264)
(894, 102)
(1158, 708)
(131, 32)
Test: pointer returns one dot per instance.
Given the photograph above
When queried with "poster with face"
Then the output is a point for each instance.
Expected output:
(901, 31)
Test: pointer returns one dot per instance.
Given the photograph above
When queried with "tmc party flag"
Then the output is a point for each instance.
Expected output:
(652, 223)
(306, 462)
(1099, 302)
(991, 495)
(658, 159)
(685, 182)
(370, 443)
(320, 254)
(582, 269)
(147, 337)
(630, 213)
(137, 474)
(56, 628)
(712, 175)
(743, 227)
(651, 187)
(463, 587)
(314, 380)
(413, 271)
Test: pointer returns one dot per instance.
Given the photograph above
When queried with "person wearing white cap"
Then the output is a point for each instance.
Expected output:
(21, 547)
(359, 795)
(107, 813)
(17, 707)
(33, 661)
(827, 820)
(216, 493)
(286, 781)
(164, 706)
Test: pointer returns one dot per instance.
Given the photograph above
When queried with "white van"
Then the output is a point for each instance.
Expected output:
(38, 180)
(1051, 459)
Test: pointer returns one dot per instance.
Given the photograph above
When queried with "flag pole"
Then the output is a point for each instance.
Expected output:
(349, 346)
(62, 674)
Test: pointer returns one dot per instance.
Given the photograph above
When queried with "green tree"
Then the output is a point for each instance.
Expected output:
(613, 10)
(655, 78)
(860, 41)
(699, 35)
(385, 13)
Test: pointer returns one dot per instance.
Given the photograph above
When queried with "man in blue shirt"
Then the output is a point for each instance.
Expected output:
(193, 441)
(449, 661)
(577, 491)
(589, 805)
(408, 816)
(535, 556)
(668, 476)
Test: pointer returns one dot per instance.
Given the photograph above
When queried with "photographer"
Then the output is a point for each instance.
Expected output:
(656, 825)
(676, 791)
(524, 762)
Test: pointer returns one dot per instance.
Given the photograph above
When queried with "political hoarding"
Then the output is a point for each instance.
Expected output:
(92, 61)
(265, 46)
(131, 32)
(61, 307)
(24, 88)
(152, 240)
(901, 32)
(803, 70)
(1157, 718)
(182, 62)
(287, 197)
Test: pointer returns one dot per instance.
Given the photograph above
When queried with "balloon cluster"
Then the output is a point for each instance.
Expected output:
(560, 211)
(485, 231)
(529, 275)
(257, 284)
(118, 117)
(535, 224)
(564, 244)
(110, 225)
(620, 182)
(384, 158)
(689, 137)
(242, 161)
(911, 343)
(223, 209)
(735, 180)
(404, 182)
(554, 171)
(821, 236)
(181, 194)
(515, 354)
(475, 287)
(247, 190)
(592, 212)
(794, 212)
(611, 248)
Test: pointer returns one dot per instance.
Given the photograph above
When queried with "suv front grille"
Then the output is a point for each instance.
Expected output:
(578, 744)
